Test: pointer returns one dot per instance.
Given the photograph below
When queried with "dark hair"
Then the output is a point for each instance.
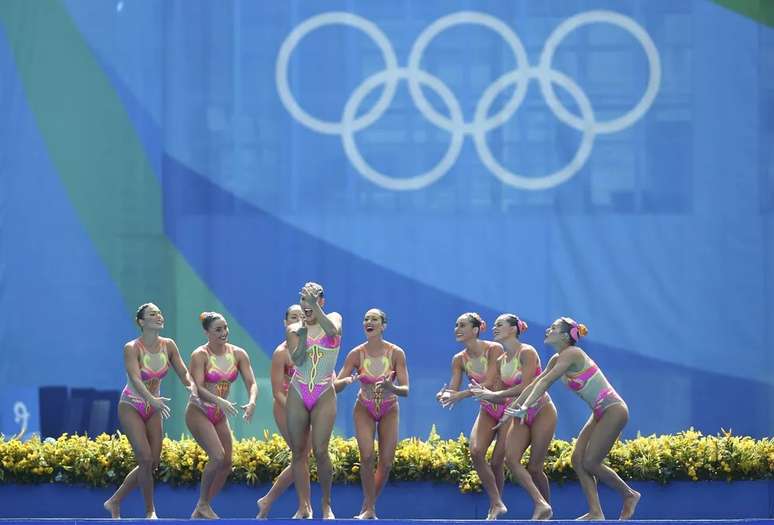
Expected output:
(573, 329)
(381, 314)
(475, 320)
(140, 311)
(287, 312)
(207, 318)
(515, 320)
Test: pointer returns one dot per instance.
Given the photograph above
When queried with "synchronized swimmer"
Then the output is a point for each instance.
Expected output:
(504, 375)
(282, 371)
(518, 366)
(380, 366)
(609, 414)
(141, 407)
(214, 367)
(478, 360)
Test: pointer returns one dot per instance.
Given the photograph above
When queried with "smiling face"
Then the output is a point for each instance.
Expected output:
(503, 329)
(217, 332)
(294, 314)
(151, 318)
(373, 323)
(308, 311)
(464, 329)
(307, 307)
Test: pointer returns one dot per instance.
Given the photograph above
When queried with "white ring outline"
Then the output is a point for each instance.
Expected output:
(316, 22)
(625, 23)
(559, 176)
(481, 123)
(444, 23)
(408, 183)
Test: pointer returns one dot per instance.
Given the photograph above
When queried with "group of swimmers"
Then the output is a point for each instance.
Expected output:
(505, 375)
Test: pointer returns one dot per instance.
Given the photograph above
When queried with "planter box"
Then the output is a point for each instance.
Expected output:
(675, 501)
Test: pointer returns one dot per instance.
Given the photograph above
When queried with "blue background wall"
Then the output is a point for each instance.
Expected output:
(146, 153)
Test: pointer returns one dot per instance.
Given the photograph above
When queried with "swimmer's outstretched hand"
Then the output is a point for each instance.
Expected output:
(309, 295)
(249, 408)
(227, 407)
(519, 412)
(386, 385)
(481, 392)
(447, 397)
(192, 388)
(503, 421)
(350, 378)
(344, 382)
(160, 405)
(440, 393)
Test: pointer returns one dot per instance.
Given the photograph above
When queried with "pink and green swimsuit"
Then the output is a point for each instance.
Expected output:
(511, 375)
(312, 378)
(153, 367)
(288, 369)
(476, 369)
(219, 372)
(371, 371)
(592, 386)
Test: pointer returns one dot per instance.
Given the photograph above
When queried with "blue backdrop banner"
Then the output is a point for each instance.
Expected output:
(610, 161)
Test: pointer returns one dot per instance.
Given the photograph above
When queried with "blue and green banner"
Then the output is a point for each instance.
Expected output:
(610, 161)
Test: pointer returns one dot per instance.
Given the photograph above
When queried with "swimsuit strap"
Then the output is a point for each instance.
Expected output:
(214, 369)
(145, 358)
(366, 360)
(509, 370)
(468, 365)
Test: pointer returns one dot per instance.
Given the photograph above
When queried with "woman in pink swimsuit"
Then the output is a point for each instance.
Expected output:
(609, 414)
(314, 346)
(381, 369)
(214, 366)
(479, 362)
(141, 407)
(518, 366)
(281, 371)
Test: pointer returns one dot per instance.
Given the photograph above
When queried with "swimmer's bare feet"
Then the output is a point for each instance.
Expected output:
(591, 517)
(263, 508)
(542, 512)
(495, 510)
(203, 511)
(629, 504)
(113, 507)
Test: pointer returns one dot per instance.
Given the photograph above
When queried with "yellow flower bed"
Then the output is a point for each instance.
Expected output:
(105, 460)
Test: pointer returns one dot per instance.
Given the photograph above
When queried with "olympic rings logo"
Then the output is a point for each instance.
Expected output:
(482, 122)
